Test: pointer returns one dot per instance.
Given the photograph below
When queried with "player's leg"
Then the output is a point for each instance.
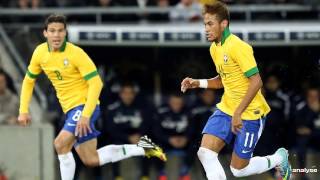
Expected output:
(87, 152)
(86, 147)
(63, 145)
(216, 133)
(242, 162)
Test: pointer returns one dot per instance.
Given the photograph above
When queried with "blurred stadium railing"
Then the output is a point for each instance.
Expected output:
(247, 11)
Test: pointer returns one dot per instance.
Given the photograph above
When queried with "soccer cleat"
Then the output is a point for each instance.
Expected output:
(151, 149)
(284, 167)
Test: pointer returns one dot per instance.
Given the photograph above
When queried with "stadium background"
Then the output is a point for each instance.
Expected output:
(140, 42)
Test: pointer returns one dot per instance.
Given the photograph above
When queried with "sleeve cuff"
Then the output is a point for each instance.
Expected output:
(251, 72)
(31, 75)
(90, 75)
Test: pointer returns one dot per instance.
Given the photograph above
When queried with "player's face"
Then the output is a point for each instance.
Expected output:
(55, 35)
(213, 27)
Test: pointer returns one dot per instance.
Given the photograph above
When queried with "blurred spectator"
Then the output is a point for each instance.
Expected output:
(203, 109)
(125, 121)
(24, 4)
(307, 125)
(105, 3)
(127, 2)
(276, 119)
(186, 11)
(70, 3)
(173, 130)
(159, 16)
(9, 103)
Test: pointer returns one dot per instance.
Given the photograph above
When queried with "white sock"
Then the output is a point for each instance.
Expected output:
(210, 162)
(114, 153)
(258, 165)
(67, 166)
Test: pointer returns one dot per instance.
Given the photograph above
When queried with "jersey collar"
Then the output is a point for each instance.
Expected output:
(225, 34)
(62, 48)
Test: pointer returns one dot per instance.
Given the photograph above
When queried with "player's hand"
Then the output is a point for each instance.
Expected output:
(189, 83)
(83, 127)
(236, 123)
(24, 119)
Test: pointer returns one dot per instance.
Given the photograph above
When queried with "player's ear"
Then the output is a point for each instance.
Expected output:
(224, 23)
(45, 33)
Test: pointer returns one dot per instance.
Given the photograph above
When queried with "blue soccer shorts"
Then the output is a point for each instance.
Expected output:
(219, 125)
(72, 118)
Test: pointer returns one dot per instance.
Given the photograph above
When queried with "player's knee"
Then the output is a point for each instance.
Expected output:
(90, 162)
(58, 144)
(201, 153)
(238, 172)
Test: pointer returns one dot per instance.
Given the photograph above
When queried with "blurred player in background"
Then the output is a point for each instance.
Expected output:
(242, 110)
(173, 129)
(78, 86)
(125, 122)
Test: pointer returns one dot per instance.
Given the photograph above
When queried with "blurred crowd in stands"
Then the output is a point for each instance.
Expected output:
(182, 10)
(140, 3)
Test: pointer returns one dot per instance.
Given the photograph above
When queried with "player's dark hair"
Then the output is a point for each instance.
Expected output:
(55, 18)
(218, 8)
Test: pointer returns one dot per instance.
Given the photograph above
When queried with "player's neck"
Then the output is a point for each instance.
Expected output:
(223, 36)
(60, 49)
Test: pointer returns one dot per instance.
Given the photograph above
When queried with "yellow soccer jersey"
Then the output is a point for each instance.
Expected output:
(235, 62)
(67, 69)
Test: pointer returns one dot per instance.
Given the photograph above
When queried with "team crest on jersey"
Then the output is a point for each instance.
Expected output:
(65, 62)
(225, 59)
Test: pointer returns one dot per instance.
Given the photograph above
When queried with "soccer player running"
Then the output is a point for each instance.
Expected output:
(242, 110)
(78, 86)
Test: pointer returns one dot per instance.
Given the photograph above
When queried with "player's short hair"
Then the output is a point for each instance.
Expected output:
(55, 18)
(219, 8)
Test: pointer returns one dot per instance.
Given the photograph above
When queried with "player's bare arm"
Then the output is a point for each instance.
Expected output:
(190, 83)
(215, 83)
(83, 125)
(255, 84)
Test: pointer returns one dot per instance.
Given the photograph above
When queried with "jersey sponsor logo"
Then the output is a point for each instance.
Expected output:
(70, 124)
(244, 151)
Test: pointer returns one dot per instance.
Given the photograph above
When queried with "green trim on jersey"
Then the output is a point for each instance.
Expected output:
(33, 76)
(90, 75)
(62, 48)
(225, 34)
(251, 72)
